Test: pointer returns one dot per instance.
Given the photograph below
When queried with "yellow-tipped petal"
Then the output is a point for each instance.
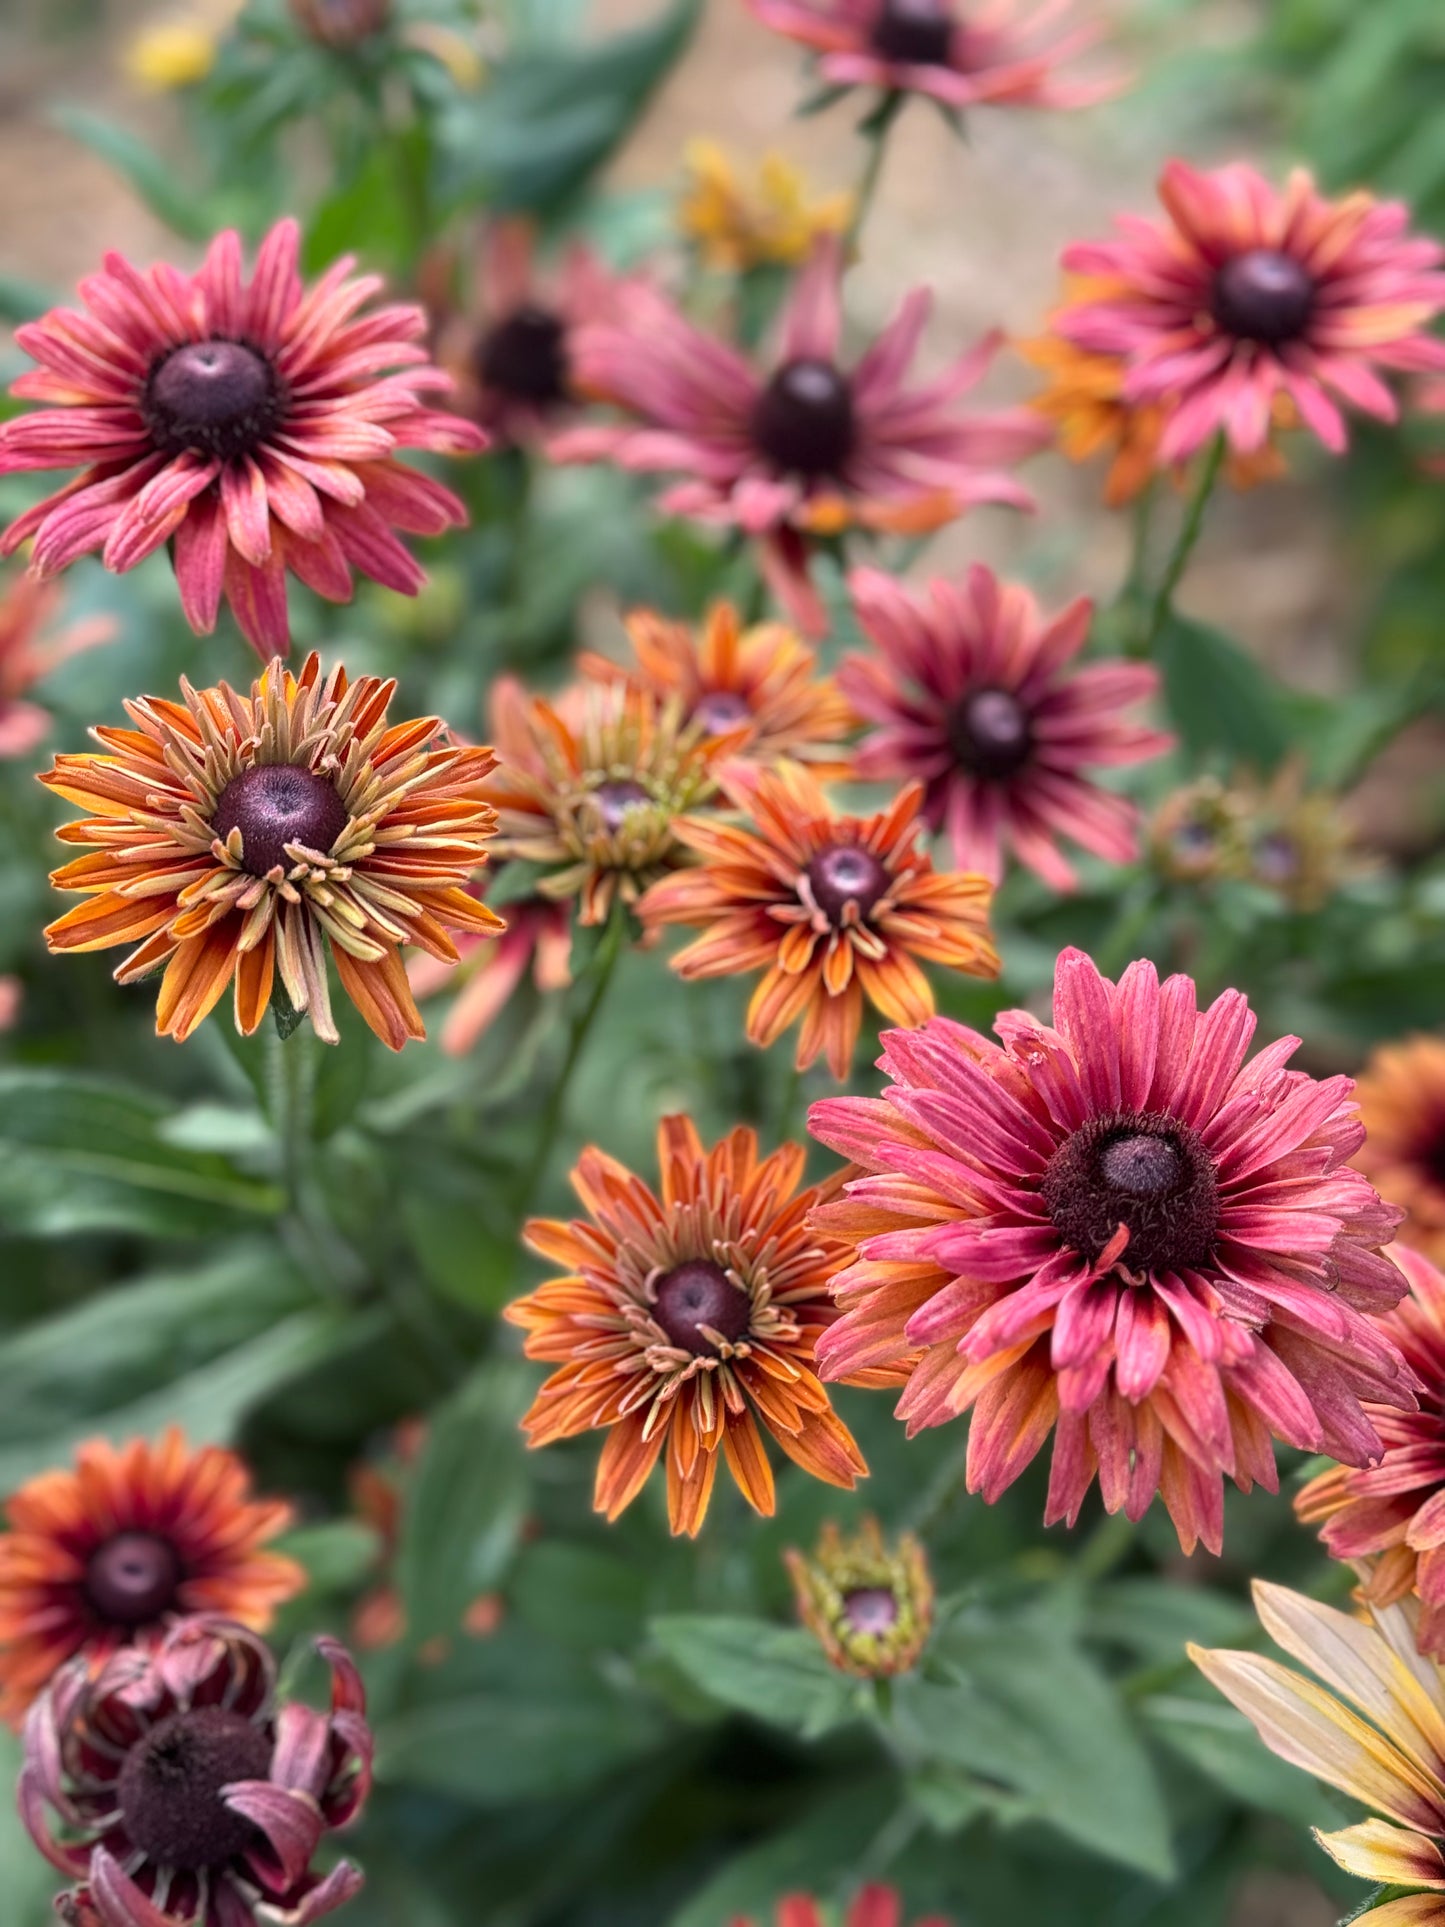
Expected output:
(1377, 1851)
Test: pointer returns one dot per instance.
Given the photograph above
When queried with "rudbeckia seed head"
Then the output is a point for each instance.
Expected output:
(804, 418)
(843, 874)
(990, 733)
(170, 1787)
(917, 32)
(218, 398)
(1147, 1171)
(273, 804)
(868, 1603)
(697, 1297)
(1263, 295)
(132, 1578)
(525, 356)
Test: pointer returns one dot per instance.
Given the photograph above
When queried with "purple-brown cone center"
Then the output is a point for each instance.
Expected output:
(990, 733)
(170, 1787)
(216, 398)
(842, 874)
(615, 800)
(525, 356)
(803, 419)
(721, 710)
(132, 1578)
(698, 1297)
(1141, 1169)
(274, 804)
(1276, 859)
(918, 33)
(1263, 295)
(871, 1609)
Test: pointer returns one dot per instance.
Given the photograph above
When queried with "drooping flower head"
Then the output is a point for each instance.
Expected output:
(175, 1789)
(761, 680)
(1008, 53)
(536, 943)
(836, 911)
(867, 1603)
(1402, 1107)
(241, 837)
(800, 448)
(1248, 293)
(254, 427)
(738, 225)
(1385, 1748)
(588, 788)
(686, 1316)
(1116, 1231)
(1389, 1519)
(510, 351)
(873, 1906)
(29, 649)
(99, 1557)
(975, 696)
(341, 23)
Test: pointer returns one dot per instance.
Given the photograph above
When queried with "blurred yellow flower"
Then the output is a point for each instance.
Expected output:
(456, 53)
(167, 57)
(738, 225)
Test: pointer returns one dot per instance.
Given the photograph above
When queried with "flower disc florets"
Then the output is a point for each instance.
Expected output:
(869, 1604)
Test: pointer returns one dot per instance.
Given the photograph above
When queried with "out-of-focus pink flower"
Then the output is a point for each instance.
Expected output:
(536, 941)
(801, 448)
(1249, 293)
(30, 649)
(975, 697)
(1010, 53)
(12, 995)
(255, 427)
(1116, 1232)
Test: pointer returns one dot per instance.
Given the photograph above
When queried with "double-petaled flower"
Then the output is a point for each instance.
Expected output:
(1116, 1232)
(238, 838)
(1402, 1106)
(254, 427)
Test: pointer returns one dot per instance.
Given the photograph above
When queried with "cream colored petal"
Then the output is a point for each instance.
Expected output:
(1388, 1855)
(1311, 1729)
(1411, 1910)
(1353, 1657)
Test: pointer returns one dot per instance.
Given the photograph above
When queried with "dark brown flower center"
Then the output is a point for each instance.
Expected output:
(842, 874)
(803, 419)
(1263, 295)
(696, 1298)
(1141, 1169)
(132, 1578)
(615, 800)
(170, 1787)
(341, 23)
(917, 32)
(871, 1609)
(525, 356)
(721, 710)
(990, 733)
(274, 804)
(217, 398)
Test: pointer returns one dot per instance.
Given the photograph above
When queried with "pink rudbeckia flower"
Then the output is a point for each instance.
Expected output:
(974, 696)
(254, 427)
(30, 649)
(803, 447)
(1005, 53)
(1249, 295)
(536, 942)
(1118, 1232)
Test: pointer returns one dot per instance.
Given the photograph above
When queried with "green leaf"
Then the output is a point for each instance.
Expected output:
(337, 1556)
(580, 1597)
(1153, 1618)
(22, 300)
(1218, 697)
(775, 1673)
(465, 1508)
(77, 1154)
(164, 189)
(805, 1858)
(27, 1883)
(1027, 1709)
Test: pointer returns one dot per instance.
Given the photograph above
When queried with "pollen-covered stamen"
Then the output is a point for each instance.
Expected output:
(843, 874)
(1263, 295)
(132, 1578)
(1141, 1169)
(614, 801)
(804, 418)
(871, 1609)
(990, 733)
(273, 804)
(698, 1297)
(525, 356)
(218, 398)
(917, 32)
(170, 1787)
(720, 711)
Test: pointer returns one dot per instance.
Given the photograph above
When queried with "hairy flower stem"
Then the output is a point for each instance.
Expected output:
(1190, 530)
(290, 1083)
(592, 988)
(875, 130)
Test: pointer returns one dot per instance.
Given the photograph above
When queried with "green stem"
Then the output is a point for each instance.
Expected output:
(593, 986)
(1184, 545)
(1143, 519)
(290, 1079)
(875, 132)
